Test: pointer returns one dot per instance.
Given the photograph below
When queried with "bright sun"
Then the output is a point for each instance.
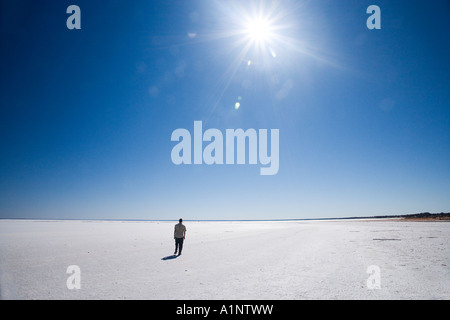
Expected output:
(259, 30)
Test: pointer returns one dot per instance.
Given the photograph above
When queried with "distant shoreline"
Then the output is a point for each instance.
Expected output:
(426, 216)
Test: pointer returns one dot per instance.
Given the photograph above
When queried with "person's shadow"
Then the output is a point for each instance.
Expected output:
(174, 256)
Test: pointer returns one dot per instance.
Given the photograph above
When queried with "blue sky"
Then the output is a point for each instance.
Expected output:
(86, 115)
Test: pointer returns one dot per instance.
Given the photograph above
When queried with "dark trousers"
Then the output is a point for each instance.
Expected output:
(179, 245)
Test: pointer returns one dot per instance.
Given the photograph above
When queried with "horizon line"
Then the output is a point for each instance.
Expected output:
(230, 220)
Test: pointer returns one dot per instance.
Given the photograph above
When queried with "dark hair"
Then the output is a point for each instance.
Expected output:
(180, 221)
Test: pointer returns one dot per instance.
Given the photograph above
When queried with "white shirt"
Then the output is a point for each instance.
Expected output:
(180, 229)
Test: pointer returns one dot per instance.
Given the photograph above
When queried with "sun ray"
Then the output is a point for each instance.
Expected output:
(261, 38)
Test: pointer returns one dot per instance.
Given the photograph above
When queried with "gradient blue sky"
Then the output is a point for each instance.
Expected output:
(86, 115)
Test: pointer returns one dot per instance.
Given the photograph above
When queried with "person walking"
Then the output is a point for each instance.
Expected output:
(179, 234)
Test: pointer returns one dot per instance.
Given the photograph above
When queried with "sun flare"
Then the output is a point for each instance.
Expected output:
(259, 30)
